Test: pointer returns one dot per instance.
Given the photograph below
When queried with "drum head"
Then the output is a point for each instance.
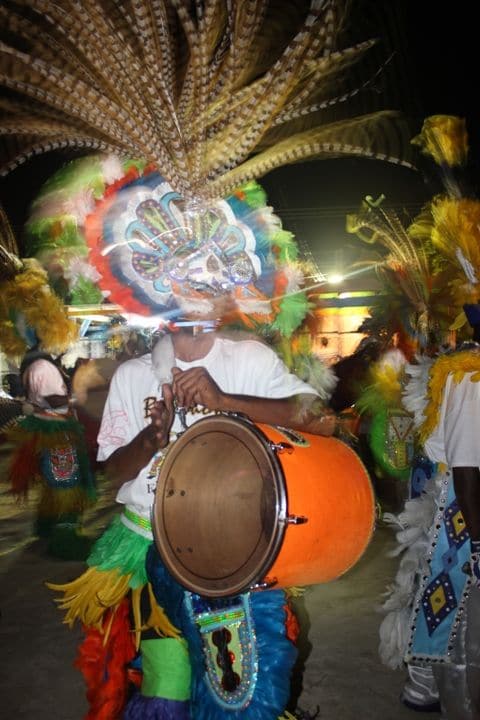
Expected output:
(220, 507)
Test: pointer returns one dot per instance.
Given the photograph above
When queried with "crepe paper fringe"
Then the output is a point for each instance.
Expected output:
(58, 503)
(122, 550)
(103, 660)
(67, 542)
(87, 598)
(116, 567)
(34, 435)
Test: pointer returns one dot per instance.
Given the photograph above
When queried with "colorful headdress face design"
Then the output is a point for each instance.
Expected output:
(169, 253)
(121, 232)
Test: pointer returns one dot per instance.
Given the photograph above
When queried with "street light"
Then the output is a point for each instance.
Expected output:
(336, 279)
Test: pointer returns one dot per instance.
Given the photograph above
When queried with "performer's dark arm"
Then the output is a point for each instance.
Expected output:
(56, 401)
(466, 481)
(125, 463)
(301, 412)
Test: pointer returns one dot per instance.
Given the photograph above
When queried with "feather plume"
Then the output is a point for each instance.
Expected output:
(444, 138)
(415, 397)
(405, 266)
(412, 527)
(213, 93)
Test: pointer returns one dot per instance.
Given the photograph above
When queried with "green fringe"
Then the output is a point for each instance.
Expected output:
(67, 543)
(122, 549)
(85, 292)
(50, 425)
(255, 195)
(286, 245)
(293, 309)
(376, 436)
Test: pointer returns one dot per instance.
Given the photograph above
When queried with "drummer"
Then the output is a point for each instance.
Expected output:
(192, 370)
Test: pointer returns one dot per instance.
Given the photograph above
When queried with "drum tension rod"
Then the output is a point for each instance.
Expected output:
(281, 447)
(265, 585)
(296, 519)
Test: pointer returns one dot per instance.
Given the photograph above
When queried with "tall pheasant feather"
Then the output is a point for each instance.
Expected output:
(214, 93)
(416, 298)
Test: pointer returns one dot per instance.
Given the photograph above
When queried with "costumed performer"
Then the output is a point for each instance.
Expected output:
(49, 445)
(47, 440)
(433, 620)
(211, 373)
(433, 608)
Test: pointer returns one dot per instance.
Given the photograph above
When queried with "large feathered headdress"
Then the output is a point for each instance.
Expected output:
(213, 93)
(209, 96)
(106, 229)
(431, 266)
(449, 226)
(31, 314)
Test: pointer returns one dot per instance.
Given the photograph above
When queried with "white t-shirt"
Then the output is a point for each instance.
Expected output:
(456, 439)
(42, 379)
(245, 367)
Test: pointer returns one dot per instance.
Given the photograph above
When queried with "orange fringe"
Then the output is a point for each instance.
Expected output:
(104, 665)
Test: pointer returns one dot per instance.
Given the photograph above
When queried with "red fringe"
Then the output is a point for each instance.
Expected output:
(119, 293)
(292, 626)
(24, 467)
(104, 666)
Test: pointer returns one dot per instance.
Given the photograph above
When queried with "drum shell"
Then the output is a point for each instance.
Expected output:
(318, 479)
(328, 483)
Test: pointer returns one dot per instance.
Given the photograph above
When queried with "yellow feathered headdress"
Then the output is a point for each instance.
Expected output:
(450, 225)
(30, 312)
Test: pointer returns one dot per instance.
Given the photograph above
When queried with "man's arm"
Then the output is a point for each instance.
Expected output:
(57, 401)
(125, 463)
(300, 412)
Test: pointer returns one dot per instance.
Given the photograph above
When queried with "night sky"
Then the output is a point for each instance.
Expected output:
(435, 52)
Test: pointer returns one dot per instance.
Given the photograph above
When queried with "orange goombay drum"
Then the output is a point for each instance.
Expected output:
(240, 505)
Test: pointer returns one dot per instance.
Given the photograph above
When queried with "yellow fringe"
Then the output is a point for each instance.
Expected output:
(157, 619)
(54, 503)
(87, 598)
(457, 365)
(295, 591)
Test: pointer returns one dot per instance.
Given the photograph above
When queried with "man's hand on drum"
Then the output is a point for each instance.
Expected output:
(196, 387)
(162, 414)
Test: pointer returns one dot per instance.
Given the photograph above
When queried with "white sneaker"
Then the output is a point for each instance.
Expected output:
(420, 691)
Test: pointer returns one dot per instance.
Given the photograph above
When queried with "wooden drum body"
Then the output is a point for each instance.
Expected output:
(240, 506)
